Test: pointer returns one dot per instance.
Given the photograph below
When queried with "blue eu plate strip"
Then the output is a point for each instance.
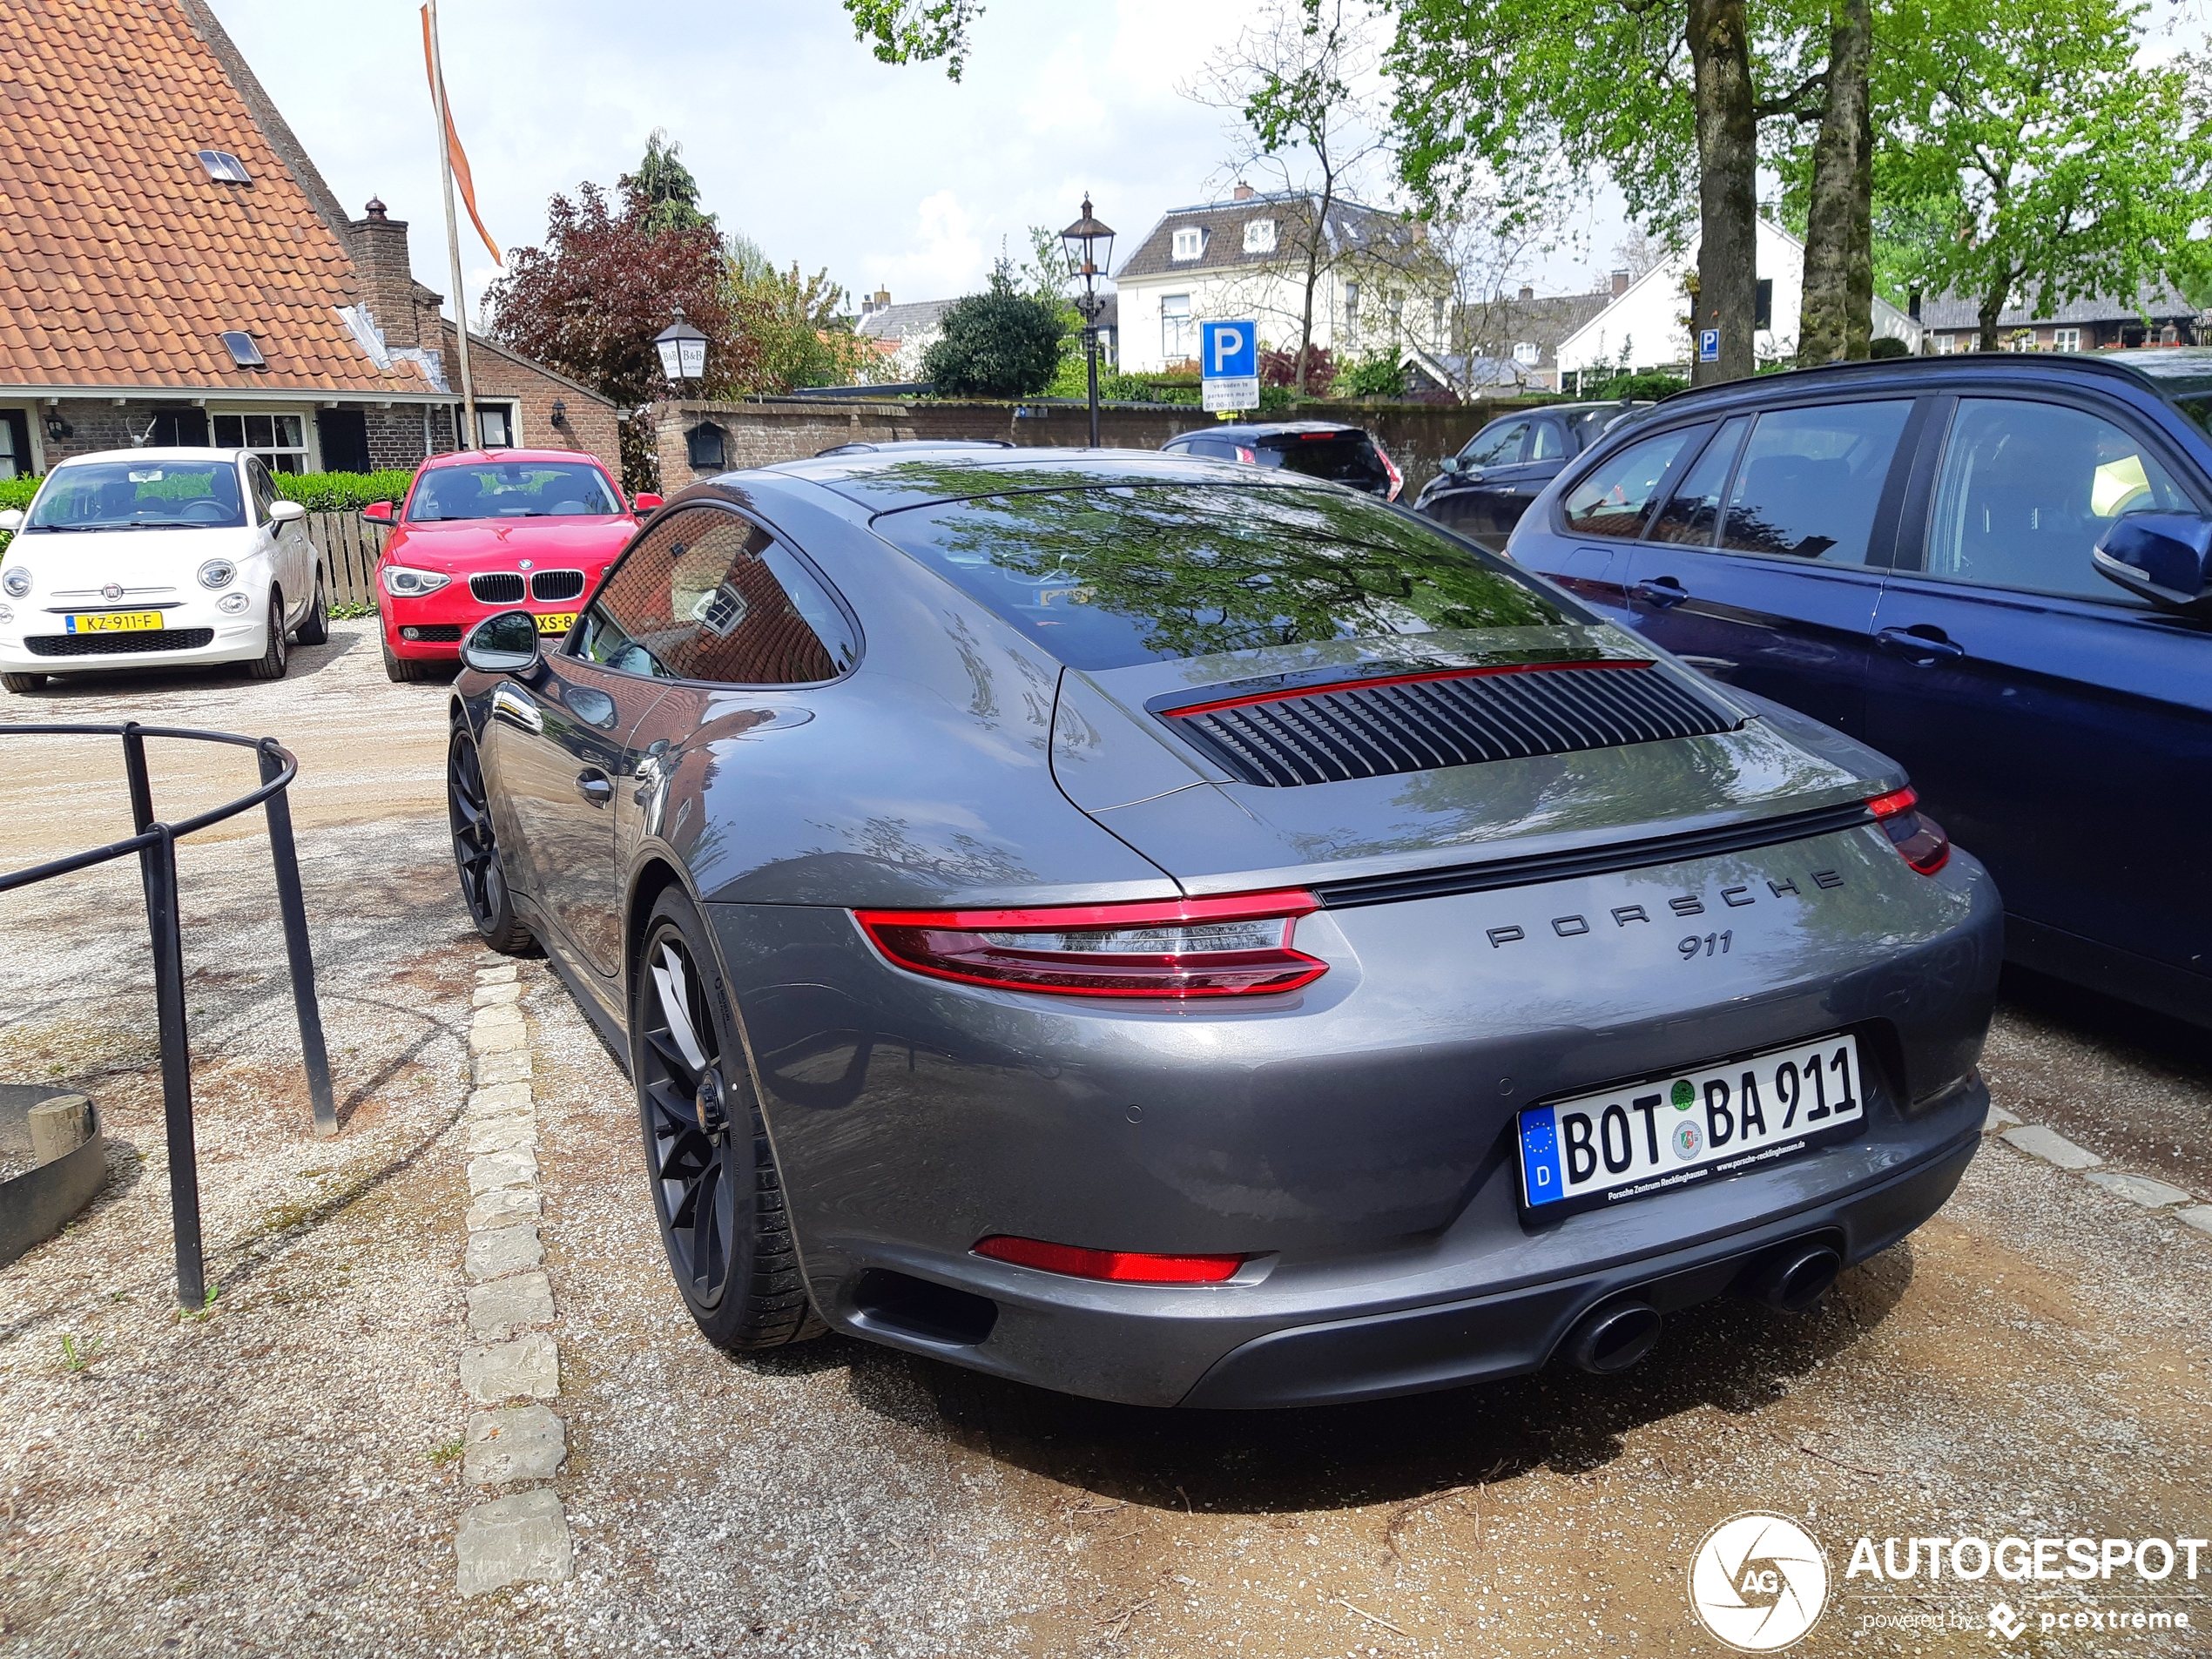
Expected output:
(1539, 1173)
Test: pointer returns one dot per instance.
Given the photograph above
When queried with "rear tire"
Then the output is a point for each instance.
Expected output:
(476, 851)
(314, 628)
(272, 663)
(401, 671)
(22, 683)
(717, 1194)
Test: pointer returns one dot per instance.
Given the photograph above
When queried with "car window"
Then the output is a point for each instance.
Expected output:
(264, 489)
(708, 594)
(1347, 457)
(1615, 496)
(1496, 445)
(1693, 510)
(1107, 576)
(122, 494)
(1810, 480)
(2026, 489)
(1546, 441)
(511, 489)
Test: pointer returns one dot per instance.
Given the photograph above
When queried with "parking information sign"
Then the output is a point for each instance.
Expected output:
(1229, 365)
(1709, 346)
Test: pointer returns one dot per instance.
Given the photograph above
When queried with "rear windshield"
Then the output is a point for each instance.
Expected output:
(511, 489)
(139, 495)
(1105, 577)
(1350, 460)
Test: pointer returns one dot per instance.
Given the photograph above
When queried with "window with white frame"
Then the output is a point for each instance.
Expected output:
(1527, 354)
(1190, 243)
(1259, 236)
(1946, 344)
(280, 439)
(1175, 343)
(496, 426)
(2066, 340)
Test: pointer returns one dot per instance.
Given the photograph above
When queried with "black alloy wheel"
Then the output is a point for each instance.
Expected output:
(272, 663)
(715, 1192)
(476, 851)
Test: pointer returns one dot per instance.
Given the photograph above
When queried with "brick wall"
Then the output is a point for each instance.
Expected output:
(588, 421)
(1418, 436)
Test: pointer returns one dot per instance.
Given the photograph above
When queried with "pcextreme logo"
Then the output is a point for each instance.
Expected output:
(1758, 1582)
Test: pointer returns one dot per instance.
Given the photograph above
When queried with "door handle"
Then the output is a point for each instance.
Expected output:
(514, 705)
(1665, 592)
(1926, 643)
(594, 786)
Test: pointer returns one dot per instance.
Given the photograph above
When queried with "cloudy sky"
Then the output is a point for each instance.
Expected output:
(887, 176)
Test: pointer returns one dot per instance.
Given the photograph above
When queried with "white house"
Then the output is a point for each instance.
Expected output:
(1380, 289)
(1648, 326)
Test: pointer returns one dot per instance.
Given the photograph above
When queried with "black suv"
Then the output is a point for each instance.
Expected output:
(1317, 448)
(1484, 489)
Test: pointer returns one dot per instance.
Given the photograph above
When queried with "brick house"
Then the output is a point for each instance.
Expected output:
(177, 272)
(2154, 317)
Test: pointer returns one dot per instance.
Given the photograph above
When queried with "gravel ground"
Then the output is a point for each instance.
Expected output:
(281, 1476)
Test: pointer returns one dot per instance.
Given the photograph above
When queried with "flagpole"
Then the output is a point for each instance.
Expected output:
(453, 233)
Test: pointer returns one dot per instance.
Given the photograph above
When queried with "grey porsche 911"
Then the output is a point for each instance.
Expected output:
(1187, 935)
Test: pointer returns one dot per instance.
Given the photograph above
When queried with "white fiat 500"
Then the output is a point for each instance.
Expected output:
(154, 557)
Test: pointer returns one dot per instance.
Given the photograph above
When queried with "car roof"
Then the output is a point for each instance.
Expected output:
(172, 452)
(2165, 372)
(870, 446)
(479, 457)
(1270, 429)
(886, 483)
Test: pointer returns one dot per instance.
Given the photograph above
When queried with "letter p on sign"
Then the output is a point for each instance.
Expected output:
(1229, 365)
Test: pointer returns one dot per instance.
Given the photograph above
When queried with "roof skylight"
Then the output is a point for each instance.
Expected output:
(242, 350)
(224, 168)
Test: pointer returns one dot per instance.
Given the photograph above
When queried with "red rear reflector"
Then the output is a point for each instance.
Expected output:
(1237, 946)
(1121, 1266)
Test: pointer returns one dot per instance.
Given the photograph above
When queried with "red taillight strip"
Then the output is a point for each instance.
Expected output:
(1898, 800)
(1142, 912)
(1394, 679)
(1118, 1266)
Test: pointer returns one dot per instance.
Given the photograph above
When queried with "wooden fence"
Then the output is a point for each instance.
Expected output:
(350, 546)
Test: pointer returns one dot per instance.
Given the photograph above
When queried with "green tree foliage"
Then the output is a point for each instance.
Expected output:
(915, 31)
(795, 320)
(999, 343)
(664, 185)
(2038, 160)
(1377, 375)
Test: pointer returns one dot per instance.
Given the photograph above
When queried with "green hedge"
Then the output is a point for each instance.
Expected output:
(343, 492)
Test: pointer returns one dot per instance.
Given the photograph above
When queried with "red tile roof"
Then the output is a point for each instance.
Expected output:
(125, 262)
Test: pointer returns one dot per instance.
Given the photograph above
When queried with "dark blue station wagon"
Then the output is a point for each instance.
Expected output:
(1993, 568)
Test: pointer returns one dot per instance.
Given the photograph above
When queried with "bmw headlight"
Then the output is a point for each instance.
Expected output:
(404, 582)
(216, 573)
(230, 603)
(17, 581)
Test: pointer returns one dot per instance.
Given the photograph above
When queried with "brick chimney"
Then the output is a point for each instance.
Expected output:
(1243, 193)
(1620, 283)
(386, 283)
(1527, 293)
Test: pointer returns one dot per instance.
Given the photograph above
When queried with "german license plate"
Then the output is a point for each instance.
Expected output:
(115, 622)
(1663, 1134)
(558, 624)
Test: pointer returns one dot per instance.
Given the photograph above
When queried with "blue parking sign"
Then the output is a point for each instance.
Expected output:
(1229, 350)
(1709, 346)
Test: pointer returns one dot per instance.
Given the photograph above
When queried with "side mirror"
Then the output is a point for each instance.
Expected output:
(378, 512)
(648, 503)
(1451, 463)
(506, 643)
(2164, 557)
(286, 512)
(10, 520)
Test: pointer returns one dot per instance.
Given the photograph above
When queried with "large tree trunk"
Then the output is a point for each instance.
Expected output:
(1992, 304)
(1858, 327)
(1728, 201)
(1831, 324)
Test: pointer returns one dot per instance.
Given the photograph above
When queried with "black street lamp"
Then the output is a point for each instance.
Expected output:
(1089, 244)
(683, 352)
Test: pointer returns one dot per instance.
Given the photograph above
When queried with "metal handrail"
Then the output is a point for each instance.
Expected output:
(156, 845)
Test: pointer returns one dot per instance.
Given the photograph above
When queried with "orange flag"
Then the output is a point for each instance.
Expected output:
(453, 143)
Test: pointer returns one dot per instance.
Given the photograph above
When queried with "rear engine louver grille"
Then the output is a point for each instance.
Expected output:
(1375, 729)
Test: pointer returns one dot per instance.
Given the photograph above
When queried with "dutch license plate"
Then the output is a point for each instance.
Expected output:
(115, 622)
(559, 624)
(1663, 1134)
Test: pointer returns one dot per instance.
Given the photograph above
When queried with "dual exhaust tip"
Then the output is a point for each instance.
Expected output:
(1616, 1334)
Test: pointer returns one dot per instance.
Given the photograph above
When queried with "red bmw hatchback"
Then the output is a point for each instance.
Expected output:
(494, 530)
